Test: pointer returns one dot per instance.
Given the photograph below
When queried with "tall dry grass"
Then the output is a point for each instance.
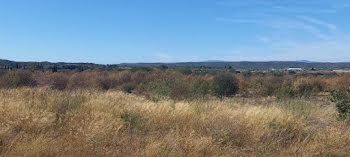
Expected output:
(46, 122)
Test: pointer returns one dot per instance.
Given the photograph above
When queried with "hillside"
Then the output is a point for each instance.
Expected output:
(243, 65)
(252, 65)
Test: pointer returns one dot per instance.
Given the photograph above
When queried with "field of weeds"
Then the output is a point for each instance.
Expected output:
(46, 122)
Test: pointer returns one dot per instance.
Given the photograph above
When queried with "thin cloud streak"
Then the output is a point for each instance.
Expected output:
(284, 19)
(290, 6)
(284, 25)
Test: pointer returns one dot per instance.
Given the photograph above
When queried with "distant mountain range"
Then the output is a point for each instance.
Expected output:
(214, 61)
(305, 61)
(244, 65)
(248, 65)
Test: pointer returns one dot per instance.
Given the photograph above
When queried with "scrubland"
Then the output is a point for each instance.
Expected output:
(46, 122)
(172, 113)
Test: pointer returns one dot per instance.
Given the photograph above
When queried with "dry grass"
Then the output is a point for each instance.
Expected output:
(45, 122)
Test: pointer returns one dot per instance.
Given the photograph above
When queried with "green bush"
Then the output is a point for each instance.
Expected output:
(159, 89)
(200, 88)
(185, 70)
(286, 92)
(304, 90)
(173, 87)
(225, 85)
(128, 88)
(35, 66)
(341, 98)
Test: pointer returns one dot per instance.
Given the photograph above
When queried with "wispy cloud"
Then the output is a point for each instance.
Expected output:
(162, 57)
(287, 25)
(289, 6)
(264, 39)
(330, 26)
(325, 40)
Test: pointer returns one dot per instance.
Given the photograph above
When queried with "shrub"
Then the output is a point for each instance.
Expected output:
(128, 88)
(171, 86)
(42, 78)
(17, 78)
(288, 92)
(341, 98)
(304, 89)
(243, 85)
(104, 83)
(139, 77)
(2, 72)
(185, 70)
(225, 85)
(123, 77)
(59, 81)
(78, 80)
(163, 67)
(179, 89)
(200, 88)
(159, 89)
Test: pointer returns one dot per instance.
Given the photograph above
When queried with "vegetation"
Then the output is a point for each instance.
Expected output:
(6, 64)
(161, 84)
(225, 85)
(86, 122)
(173, 112)
(342, 99)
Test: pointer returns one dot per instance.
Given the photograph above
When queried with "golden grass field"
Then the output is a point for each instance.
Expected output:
(45, 122)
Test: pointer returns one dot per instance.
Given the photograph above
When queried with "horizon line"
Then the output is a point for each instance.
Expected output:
(206, 61)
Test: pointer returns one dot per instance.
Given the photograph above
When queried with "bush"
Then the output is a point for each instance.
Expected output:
(225, 85)
(139, 77)
(304, 90)
(341, 98)
(78, 80)
(263, 85)
(179, 90)
(159, 89)
(172, 86)
(59, 81)
(17, 78)
(288, 92)
(42, 78)
(200, 88)
(128, 88)
(104, 83)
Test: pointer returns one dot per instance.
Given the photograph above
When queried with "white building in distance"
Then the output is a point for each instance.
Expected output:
(294, 69)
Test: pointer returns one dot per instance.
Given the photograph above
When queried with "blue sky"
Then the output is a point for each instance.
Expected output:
(118, 31)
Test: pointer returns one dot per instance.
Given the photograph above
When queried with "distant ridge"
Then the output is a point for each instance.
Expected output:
(305, 61)
(251, 65)
(214, 61)
(244, 65)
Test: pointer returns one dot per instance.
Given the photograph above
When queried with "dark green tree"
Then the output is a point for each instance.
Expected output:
(225, 85)
(35, 66)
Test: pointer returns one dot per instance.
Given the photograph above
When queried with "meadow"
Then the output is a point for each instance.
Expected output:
(171, 113)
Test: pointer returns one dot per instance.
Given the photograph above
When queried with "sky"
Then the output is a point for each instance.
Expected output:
(129, 31)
